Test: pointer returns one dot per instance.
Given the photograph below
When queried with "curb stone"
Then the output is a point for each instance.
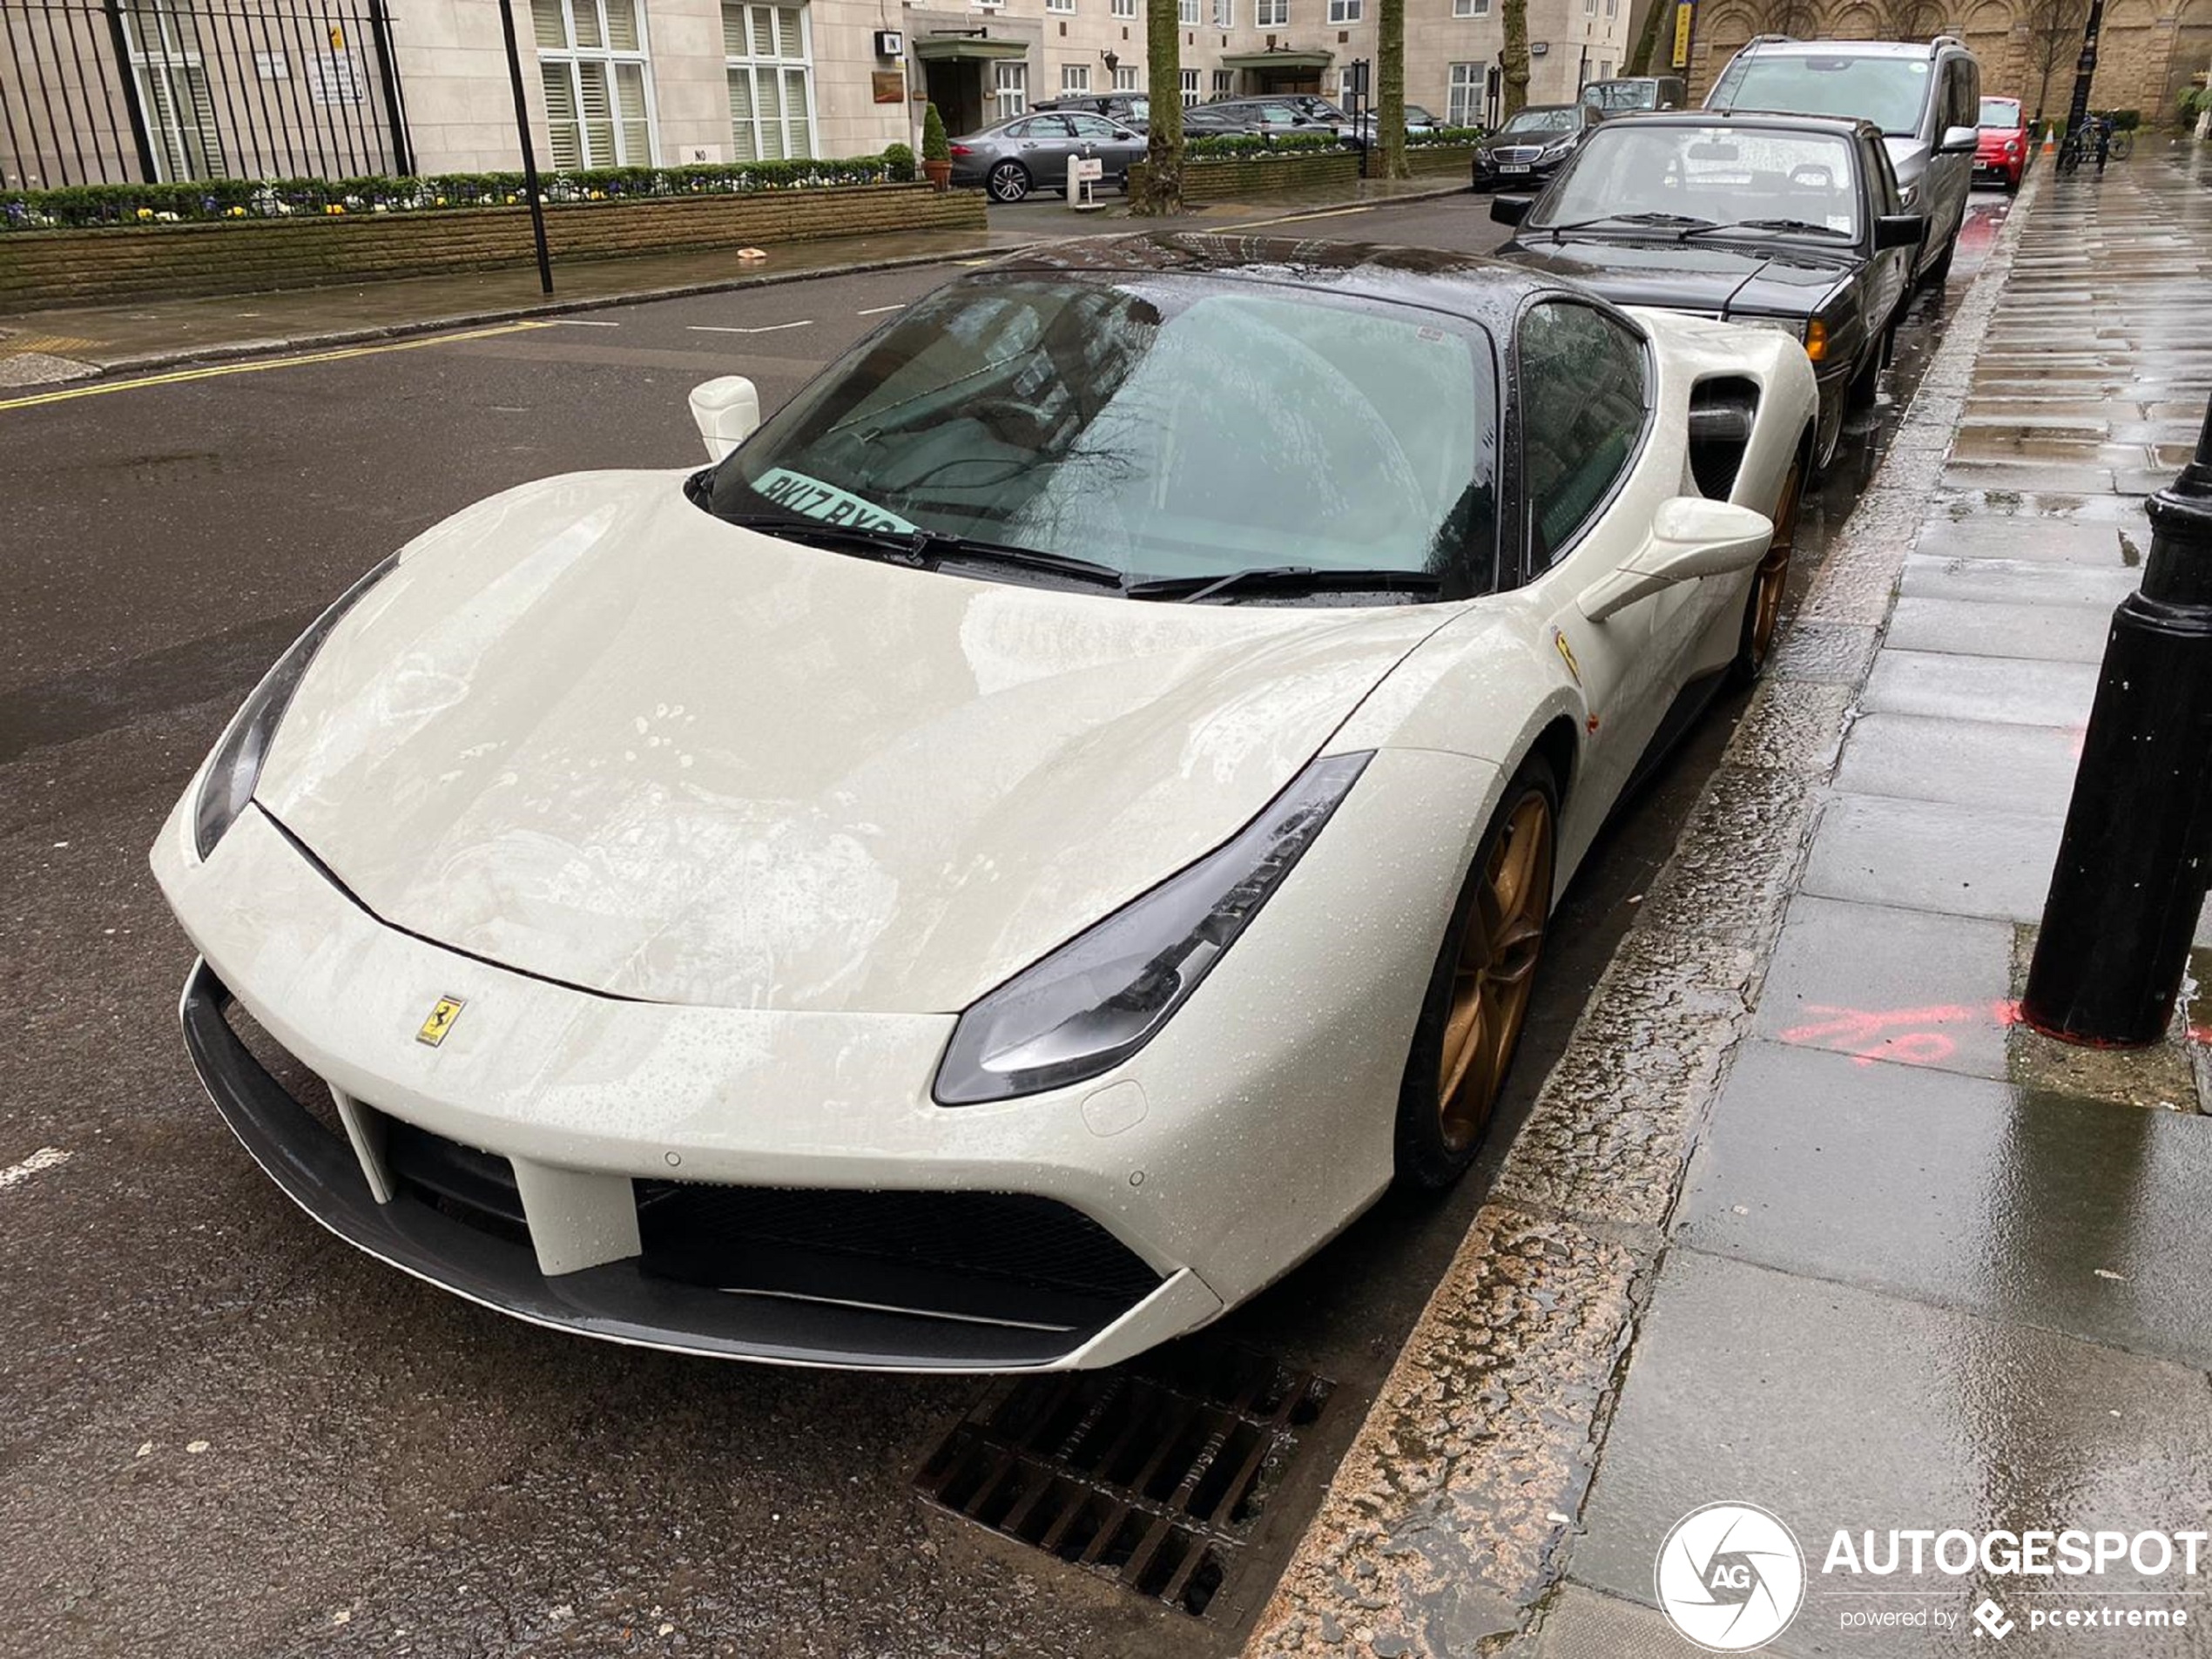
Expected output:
(1445, 1528)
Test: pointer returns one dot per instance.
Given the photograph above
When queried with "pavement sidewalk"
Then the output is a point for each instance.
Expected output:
(1804, 1218)
(42, 347)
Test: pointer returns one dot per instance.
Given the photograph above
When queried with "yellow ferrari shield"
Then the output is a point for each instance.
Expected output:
(443, 1013)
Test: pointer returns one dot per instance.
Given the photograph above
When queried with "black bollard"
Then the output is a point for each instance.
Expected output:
(2137, 855)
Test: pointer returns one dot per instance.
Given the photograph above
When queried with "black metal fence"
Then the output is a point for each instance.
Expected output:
(122, 92)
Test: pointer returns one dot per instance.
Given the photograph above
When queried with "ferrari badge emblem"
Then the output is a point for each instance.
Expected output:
(1567, 655)
(443, 1013)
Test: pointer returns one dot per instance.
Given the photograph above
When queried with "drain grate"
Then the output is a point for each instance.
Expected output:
(1152, 1474)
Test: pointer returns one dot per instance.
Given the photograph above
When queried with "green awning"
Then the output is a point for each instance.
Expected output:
(1278, 60)
(952, 49)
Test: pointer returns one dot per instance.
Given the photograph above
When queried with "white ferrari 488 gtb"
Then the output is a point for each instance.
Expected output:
(1022, 849)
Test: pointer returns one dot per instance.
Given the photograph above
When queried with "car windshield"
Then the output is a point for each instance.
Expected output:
(1892, 93)
(1613, 96)
(1543, 120)
(1730, 175)
(1166, 426)
(2003, 112)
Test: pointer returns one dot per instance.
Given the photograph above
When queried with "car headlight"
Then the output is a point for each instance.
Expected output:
(1812, 333)
(235, 767)
(1559, 146)
(2012, 146)
(1103, 994)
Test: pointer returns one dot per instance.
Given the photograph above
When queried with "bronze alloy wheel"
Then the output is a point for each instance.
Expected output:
(1762, 612)
(1496, 966)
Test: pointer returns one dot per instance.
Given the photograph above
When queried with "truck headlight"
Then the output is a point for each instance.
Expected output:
(1105, 994)
(235, 767)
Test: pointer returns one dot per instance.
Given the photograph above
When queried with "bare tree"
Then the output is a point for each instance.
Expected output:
(1390, 89)
(1910, 19)
(1800, 17)
(1162, 192)
(2053, 38)
(1513, 58)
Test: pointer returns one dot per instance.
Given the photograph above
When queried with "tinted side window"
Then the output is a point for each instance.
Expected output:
(1095, 127)
(1582, 404)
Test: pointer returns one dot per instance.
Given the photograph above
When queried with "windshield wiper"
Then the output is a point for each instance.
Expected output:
(1285, 578)
(1626, 218)
(1774, 225)
(922, 548)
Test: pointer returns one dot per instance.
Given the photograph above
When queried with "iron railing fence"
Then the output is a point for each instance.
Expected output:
(126, 91)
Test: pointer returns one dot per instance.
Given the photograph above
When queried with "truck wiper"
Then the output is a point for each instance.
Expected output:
(1626, 218)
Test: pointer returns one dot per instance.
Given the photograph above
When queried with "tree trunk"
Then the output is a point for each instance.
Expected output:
(1162, 192)
(1513, 58)
(1661, 16)
(1390, 89)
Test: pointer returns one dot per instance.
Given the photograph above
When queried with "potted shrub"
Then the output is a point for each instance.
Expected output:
(936, 149)
(898, 163)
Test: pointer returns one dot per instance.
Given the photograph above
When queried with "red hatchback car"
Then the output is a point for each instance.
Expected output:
(2001, 153)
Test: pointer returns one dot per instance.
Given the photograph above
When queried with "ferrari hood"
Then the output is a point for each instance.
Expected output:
(587, 731)
(1707, 275)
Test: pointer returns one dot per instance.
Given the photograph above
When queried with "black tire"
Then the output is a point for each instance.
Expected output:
(1865, 385)
(1755, 638)
(1006, 181)
(1940, 272)
(1426, 1161)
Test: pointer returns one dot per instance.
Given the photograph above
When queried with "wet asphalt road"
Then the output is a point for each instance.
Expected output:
(223, 1433)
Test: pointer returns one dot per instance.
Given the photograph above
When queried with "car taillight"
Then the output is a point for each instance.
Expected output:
(961, 150)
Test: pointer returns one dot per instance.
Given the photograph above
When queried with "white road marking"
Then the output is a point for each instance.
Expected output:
(580, 322)
(46, 1157)
(877, 311)
(773, 328)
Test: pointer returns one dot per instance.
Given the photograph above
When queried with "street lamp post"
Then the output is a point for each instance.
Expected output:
(529, 150)
(2085, 69)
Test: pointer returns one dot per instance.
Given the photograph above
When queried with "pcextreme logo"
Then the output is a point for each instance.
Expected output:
(1729, 1577)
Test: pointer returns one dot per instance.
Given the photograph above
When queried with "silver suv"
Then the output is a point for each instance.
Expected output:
(1926, 95)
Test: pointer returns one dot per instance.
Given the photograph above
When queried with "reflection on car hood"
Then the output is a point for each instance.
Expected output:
(1707, 275)
(586, 731)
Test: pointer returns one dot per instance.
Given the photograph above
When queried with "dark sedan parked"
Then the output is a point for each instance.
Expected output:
(1781, 221)
(1532, 143)
(1032, 152)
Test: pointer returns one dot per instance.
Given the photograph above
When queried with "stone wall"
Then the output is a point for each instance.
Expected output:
(1237, 179)
(53, 267)
(2147, 51)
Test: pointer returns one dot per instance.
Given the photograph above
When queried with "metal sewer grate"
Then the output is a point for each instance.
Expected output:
(1152, 1474)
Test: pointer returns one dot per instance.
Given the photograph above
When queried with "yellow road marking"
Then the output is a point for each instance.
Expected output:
(214, 369)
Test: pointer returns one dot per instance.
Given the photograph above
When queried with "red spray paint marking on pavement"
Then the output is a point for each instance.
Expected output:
(1905, 1035)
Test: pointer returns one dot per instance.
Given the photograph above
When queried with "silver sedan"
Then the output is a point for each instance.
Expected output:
(1032, 152)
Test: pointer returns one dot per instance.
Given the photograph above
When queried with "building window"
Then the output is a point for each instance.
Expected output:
(1271, 14)
(1466, 95)
(1189, 78)
(1344, 10)
(1074, 79)
(1059, 6)
(1186, 13)
(1125, 7)
(1125, 79)
(768, 62)
(1470, 8)
(1009, 90)
(1225, 82)
(171, 81)
(1224, 14)
(598, 94)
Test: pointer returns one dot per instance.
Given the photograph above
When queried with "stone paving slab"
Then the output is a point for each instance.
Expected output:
(1930, 856)
(1835, 1406)
(1874, 982)
(2011, 767)
(2080, 1217)
(1946, 685)
(2019, 582)
(2047, 632)
(2043, 540)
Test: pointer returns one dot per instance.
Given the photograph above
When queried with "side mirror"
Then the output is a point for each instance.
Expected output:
(1511, 210)
(1690, 539)
(1959, 141)
(726, 410)
(1900, 230)
(1122, 135)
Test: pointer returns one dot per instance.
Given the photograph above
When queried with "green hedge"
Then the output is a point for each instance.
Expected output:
(1446, 135)
(1227, 145)
(88, 207)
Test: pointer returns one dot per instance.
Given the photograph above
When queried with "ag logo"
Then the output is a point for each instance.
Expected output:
(1729, 1577)
(443, 1013)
